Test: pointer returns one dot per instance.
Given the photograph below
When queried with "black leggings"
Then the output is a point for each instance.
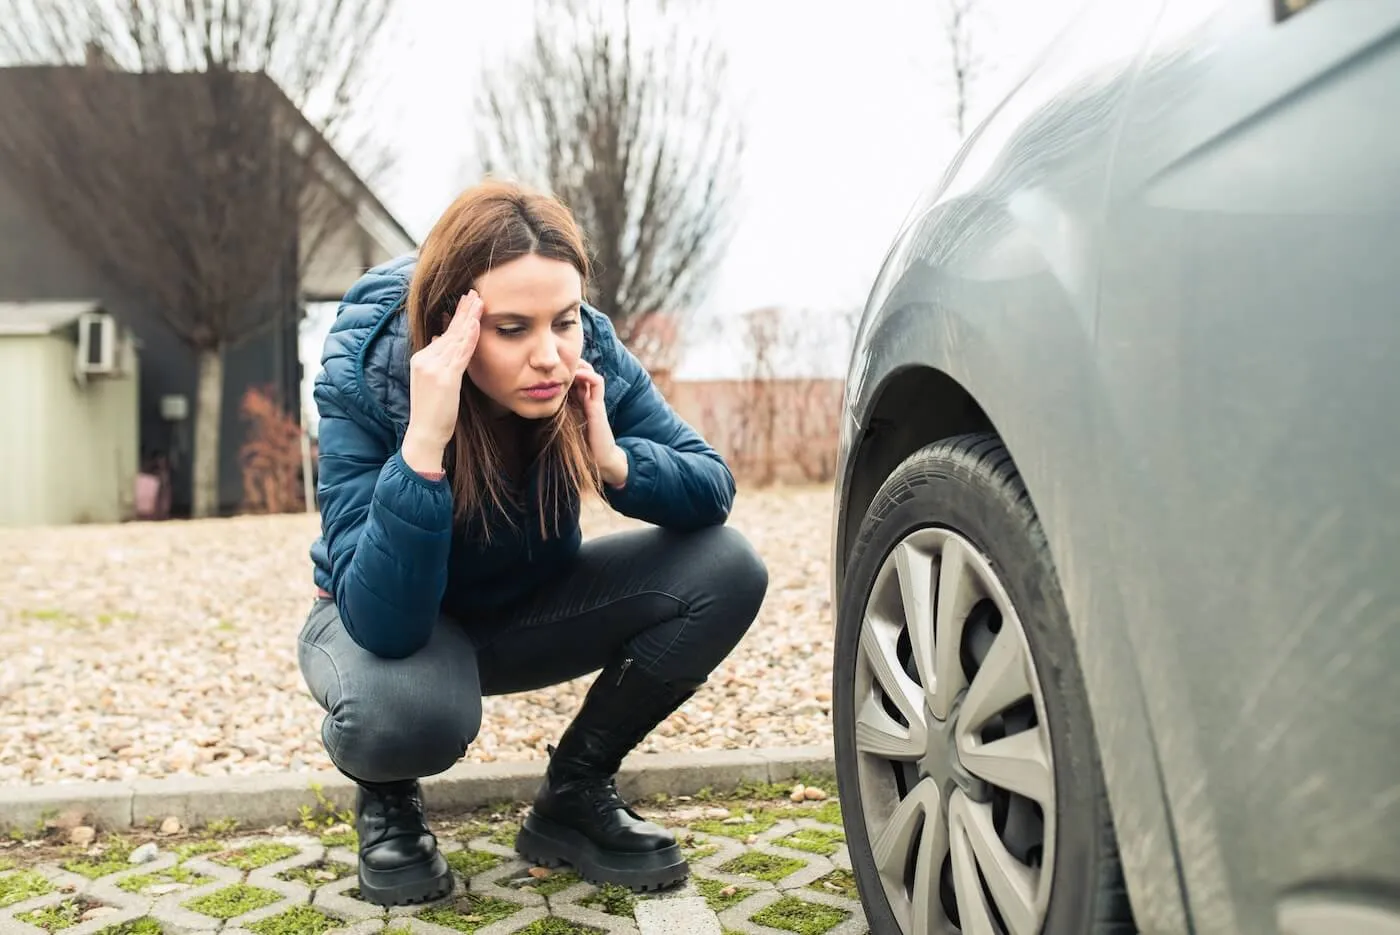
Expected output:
(676, 603)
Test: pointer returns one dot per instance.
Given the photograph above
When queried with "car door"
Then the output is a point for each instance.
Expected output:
(1249, 340)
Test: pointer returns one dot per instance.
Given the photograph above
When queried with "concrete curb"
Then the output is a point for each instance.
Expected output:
(260, 801)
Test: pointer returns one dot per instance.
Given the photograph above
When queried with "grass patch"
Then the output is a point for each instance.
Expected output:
(397, 930)
(613, 899)
(317, 874)
(798, 915)
(348, 838)
(303, 920)
(762, 821)
(720, 896)
(58, 916)
(196, 849)
(814, 841)
(139, 882)
(556, 882)
(221, 826)
(762, 866)
(22, 886)
(829, 812)
(255, 855)
(113, 859)
(6, 864)
(557, 926)
(505, 834)
(699, 853)
(233, 901)
(470, 912)
(469, 863)
(142, 926)
(840, 882)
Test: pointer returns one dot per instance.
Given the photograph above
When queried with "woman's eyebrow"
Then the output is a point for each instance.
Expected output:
(571, 307)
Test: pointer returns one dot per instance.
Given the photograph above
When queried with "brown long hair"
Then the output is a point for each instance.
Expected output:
(487, 226)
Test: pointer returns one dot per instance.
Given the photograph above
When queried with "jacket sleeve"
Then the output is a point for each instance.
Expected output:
(388, 532)
(675, 479)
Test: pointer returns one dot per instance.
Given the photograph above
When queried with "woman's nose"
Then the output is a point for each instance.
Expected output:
(546, 354)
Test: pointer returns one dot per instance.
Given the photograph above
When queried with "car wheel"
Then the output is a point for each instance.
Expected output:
(969, 777)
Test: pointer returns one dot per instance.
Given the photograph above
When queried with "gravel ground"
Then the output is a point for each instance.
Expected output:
(168, 649)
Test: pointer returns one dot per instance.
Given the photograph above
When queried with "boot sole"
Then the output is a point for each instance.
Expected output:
(406, 886)
(551, 844)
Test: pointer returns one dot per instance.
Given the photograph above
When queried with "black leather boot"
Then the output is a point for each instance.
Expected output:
(578, 817)
(399, 859)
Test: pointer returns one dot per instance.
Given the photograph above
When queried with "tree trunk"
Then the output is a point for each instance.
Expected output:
(207, 415)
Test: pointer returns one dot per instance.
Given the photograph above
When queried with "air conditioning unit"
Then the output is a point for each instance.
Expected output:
(99, 345)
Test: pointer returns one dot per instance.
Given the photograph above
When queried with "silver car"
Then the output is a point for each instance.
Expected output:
(1117, 542)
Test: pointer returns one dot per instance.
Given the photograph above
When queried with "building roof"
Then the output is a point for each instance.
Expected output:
(41, 318)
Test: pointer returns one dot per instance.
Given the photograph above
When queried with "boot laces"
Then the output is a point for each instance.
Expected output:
(398, 807)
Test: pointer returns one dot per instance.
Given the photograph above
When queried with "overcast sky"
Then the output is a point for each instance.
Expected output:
(849, 117)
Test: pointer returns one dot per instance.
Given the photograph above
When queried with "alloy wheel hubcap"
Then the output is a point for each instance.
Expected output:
(953, 756)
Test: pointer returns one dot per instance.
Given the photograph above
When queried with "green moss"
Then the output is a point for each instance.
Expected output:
(256, 855)
(700, 853)
(233, 901)
(470, 912)
(557, 881)
(505, 834)
(613, 899)
(840, 882)
(136, 884)
(113, 859)
(557, 926)
(317, 874)
(716, 895)
(221, 826)
(302, 920)
(798, 915)
(341, 839)
(196, 848)
(397, 930)
(763, 819)
(58, 916)
(813, 840)
(142, 926)
(6, 865)
(829, 812)
(469, 863)
(762, 866)
(21, 886)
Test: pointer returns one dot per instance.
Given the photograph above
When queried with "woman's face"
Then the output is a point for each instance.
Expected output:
(531, 335)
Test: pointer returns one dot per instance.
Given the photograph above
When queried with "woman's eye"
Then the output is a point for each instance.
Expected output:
(566, 324)
(510, 332)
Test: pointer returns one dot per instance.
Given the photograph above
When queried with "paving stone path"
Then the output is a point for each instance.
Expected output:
(758, 866)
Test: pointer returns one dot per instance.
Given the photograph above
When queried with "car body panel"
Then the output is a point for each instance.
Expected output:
(1249, 351)
(1038, 275)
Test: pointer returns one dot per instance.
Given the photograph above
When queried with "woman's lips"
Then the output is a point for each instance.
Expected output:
(543, 390)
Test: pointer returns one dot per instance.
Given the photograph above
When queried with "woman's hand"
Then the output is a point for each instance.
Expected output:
(435, 386)
(611, 460)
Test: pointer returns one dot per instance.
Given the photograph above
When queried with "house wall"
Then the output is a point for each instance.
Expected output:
(37, 263)
(70, 450)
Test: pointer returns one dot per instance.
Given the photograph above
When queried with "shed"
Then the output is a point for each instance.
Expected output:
(69, 423)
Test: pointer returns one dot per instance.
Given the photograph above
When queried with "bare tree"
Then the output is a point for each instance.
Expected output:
(184, 146)
(625, 118)
(962, 56)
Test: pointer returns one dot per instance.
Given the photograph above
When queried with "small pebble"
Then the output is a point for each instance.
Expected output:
(144, 854)
(82, 835)
(171, 825)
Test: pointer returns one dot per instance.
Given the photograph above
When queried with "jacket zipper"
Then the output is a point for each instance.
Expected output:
(623, 670)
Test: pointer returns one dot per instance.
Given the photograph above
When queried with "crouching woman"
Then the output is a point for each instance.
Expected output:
(469, 400)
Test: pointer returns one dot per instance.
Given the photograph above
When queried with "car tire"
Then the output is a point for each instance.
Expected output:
(968, 485)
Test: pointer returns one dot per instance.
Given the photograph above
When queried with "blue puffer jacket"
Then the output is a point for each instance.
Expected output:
(389, 552)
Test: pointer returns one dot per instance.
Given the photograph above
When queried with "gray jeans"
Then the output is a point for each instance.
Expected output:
(676, 603)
